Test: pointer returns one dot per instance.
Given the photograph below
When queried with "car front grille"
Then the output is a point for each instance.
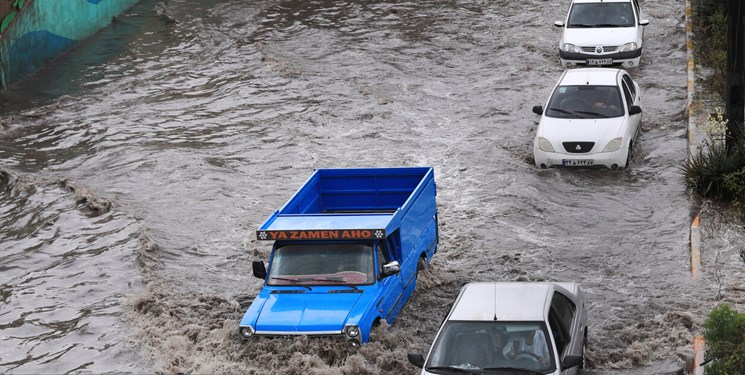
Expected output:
(606, 49)
(578, 147)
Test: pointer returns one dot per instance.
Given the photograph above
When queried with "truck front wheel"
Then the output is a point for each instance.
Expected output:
(421, 265)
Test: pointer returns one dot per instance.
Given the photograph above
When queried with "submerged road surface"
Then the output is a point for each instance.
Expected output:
(134, 172)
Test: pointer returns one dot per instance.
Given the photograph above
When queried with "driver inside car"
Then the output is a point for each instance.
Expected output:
(527, 344)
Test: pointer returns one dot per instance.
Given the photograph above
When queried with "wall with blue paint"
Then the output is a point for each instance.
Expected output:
(45, 28)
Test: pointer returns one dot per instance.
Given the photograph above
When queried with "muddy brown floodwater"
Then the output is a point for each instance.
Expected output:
(134, 172)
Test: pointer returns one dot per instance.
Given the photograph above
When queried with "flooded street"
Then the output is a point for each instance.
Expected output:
(135, 171)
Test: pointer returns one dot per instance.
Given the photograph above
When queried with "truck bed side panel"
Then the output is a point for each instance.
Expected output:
(355, 190)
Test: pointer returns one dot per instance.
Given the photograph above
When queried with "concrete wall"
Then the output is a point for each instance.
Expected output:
(42, 29)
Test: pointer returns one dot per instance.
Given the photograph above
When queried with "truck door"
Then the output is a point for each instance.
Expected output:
(391, 287)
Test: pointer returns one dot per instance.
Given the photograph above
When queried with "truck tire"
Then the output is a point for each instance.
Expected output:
(421, 265)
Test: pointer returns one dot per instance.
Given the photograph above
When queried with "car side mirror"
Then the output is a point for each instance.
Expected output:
(571, 361)
(415, 359)
(559, 24)
(635, 110)
(259, 269)
(391, 268)
(644, 22)
(538, 109)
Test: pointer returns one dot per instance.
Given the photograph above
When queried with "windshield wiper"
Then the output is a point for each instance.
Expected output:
(297, 282)
(514, 369)
(597, 114)
(585, 25)
(561, 110)
(454, 369)
(340, 282)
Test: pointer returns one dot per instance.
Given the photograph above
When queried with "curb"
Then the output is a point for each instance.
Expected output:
(699, 345)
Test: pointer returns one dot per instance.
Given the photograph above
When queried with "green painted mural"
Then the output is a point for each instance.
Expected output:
(34, 32)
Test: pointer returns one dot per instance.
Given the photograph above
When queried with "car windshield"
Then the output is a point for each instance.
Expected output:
(584, 102)
(601, 15)
(322, 264)
(474, 345)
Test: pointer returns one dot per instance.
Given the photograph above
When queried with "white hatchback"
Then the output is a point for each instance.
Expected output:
(510, 328)
(602, 32)
(592, 118)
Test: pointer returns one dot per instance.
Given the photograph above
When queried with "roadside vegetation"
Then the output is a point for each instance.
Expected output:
(717, 172)
(724, 332)
(713, 171)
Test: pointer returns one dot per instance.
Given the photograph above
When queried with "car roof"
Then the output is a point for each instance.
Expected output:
(509, 301)
(590, 76)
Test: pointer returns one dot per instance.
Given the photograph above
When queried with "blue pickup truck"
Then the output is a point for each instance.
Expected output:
(347, 249)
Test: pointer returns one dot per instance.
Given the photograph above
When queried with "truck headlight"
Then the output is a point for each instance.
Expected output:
(629, 47)
(352, 331)
(545, 145)
(613, 145)
(247, 332)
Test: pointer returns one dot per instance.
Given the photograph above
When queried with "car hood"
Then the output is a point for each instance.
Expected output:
(600, 131)
(612, 36)
(306, 312)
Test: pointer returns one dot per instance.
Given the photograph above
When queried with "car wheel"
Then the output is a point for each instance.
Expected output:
(583, 364)
(628, 157)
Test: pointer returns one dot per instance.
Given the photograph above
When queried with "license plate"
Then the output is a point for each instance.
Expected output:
(577, 163)
(599, 61)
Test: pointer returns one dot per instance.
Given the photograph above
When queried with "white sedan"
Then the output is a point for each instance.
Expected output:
(510, 328)
(602, 32)
(592, 118)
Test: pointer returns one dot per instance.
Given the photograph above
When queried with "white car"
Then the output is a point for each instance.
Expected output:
(510, 328)
(592, 118)
(602, 32)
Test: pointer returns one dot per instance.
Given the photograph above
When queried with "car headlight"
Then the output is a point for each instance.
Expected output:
(613, 145)
(247, 332)
(629, 47)
(545, 145)
(352, 331)
(569, 47)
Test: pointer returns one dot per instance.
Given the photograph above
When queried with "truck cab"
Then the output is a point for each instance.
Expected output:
(346, 251)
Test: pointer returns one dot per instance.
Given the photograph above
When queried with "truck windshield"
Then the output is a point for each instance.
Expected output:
(322, 264)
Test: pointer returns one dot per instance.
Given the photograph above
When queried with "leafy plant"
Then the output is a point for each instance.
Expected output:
(706, 172)
(724, 332)
(710, 23)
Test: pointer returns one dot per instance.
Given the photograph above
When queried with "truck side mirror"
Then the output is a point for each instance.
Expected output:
(391, 268)
(635, 110)
(538, 110)
(259, 269)
(415, 359)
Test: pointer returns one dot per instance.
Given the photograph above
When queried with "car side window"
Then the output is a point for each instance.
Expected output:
(563, 310)
(636, 6)
(630, 83)
(560, 335)
(628, 96)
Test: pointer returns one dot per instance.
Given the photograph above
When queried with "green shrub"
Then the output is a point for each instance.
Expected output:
(734, 183)
(710, 41)
(724, 332)
(715, 173)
